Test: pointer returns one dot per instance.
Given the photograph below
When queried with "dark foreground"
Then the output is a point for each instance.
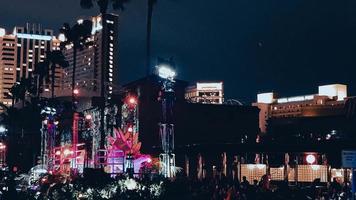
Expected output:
(103, 187)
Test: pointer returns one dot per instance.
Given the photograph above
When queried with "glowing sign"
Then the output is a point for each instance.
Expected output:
(265, 97)
(295, 99)
(33, 36)
(210, 86)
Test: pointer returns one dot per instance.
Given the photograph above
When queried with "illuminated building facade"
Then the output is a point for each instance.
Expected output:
(32, 43)
(93, 60)
(205, 92)
(20, 51)
(305, 113)
(7, 65)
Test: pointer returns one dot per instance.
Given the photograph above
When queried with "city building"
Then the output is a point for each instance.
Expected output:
(32, 44)
(318, 115)
(20, 52)
(93, 60)
(7, 66)
(205, 92)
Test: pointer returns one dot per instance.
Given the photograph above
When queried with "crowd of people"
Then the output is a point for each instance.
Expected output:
(224, 189)
(216, 188)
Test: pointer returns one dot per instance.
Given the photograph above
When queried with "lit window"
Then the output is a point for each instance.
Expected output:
(111, 57)
(111, 45)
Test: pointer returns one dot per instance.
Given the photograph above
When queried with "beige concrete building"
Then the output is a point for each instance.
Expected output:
(329, 100)
(8, 59)
(20, 51)
(205, 92)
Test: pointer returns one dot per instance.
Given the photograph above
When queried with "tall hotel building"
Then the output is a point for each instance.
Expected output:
(7, 65)
(20, 51)
(93, 60)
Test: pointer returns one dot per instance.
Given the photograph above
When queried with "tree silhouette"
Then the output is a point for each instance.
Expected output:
(76, 36)
(42, 73)
(55, 58)
(104, 4)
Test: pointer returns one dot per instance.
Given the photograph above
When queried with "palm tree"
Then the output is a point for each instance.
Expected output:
(19, 90)
(42, 72)
(104, 4)
(55, 58)
(150, 5)
(77, 36)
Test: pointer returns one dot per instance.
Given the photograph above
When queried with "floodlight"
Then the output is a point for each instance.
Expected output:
(310, 159)
(165, 72)
(2, 129)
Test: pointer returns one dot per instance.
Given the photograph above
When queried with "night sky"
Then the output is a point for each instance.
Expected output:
(290, 47)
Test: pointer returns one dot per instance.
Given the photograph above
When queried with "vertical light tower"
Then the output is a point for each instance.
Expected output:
(166, 126)
(48, 132)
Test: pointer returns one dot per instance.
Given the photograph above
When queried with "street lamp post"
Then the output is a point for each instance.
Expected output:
(166, 126)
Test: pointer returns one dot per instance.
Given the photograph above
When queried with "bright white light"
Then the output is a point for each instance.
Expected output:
(130, 129)
(260, 166)
(338, 174)
(251, 166)
(132, 100)
(166, 72)
(334, 90)
(34, 36)
(2, 32)
(75, 91)
(209, 86)
(67, 152)
(2, 129)
(328, 136)
(61, 37)
(58, 153)
(80, 21)
(265, 97)
(310, 159)
(130, 184)
(315, 167)
(88, 117)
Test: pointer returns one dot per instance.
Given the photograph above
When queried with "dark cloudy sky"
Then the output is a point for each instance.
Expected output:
(252, 45)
